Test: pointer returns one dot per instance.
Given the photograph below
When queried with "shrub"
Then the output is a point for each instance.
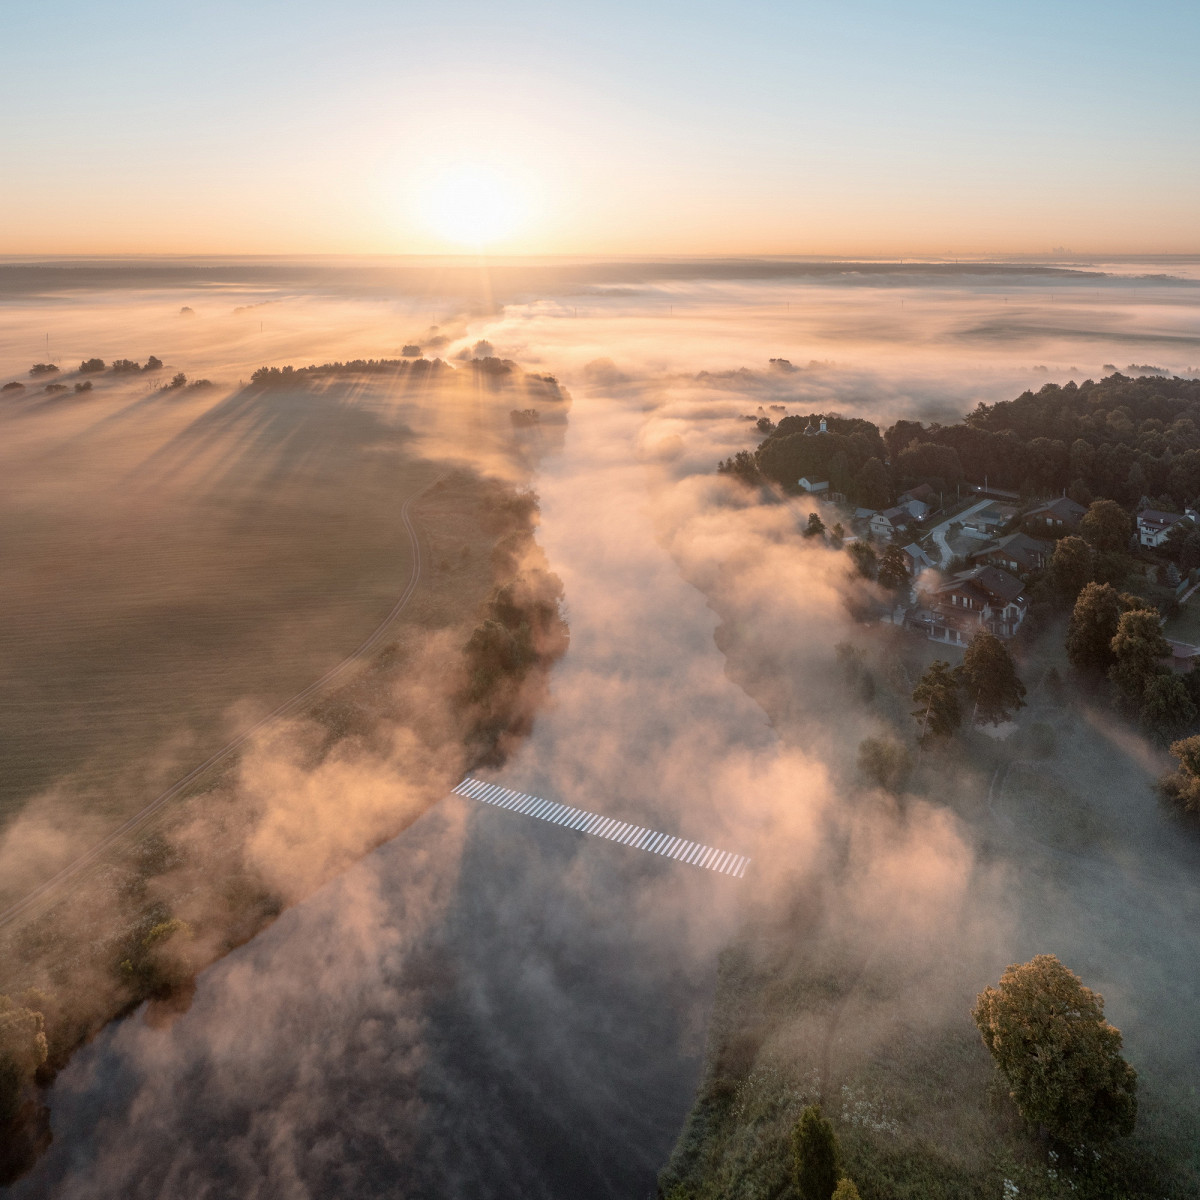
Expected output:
(91, 366)
(43, 369)
(15, 386)
(85, 386)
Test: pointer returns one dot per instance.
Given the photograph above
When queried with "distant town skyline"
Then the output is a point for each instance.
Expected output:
(612, 128)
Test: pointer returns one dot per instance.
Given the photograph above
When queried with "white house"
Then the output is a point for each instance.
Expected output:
(812, 486)
(892, 520)
(1153, 526)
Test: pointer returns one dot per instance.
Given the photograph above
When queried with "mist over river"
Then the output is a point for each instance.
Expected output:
(487, 1005)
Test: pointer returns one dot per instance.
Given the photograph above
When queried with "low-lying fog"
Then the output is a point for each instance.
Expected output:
(489, 1006)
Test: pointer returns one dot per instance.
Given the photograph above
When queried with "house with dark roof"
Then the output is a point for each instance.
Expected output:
(917, 559)
(982, 598)
(890, 521)
(1018, 553)
(1055, 515)
(1153, 526)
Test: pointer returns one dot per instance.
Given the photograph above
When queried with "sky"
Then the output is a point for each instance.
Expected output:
(613, 127)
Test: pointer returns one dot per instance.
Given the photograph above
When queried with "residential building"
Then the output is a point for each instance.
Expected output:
(891, 521)
(1153, 526)
(1018, 553)
(1056, 515)
(917, 559)
(812, 486)
(983, 598)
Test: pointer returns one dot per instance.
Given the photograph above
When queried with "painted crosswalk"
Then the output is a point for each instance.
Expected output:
(696, 854)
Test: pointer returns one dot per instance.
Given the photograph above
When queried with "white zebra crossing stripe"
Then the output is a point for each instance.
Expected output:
(723, 862)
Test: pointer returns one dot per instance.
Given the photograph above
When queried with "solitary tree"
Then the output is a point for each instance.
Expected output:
(816, 527)
(1106, 527)
(1138, 650)
(837, 534)
(816, 1156)
(1047, 1034)
(938, 711)
(91, 366)
(1093, 626)
(1071, 566)
(886, 763)
(893, 569)
(990, 679)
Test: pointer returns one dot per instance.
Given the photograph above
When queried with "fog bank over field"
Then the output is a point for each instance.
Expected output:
(487, 1006)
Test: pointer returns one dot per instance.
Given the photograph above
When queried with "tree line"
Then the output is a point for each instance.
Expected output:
(1121, 438)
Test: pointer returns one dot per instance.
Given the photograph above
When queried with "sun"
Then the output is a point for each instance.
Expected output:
(472, 206)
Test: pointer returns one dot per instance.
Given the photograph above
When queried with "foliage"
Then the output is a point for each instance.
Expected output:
(153, 364)
(43, 369)
(91, 366)
(22, 1052)
(85, 386)
(990, 679)
(929, 462)
(177, 381)
(412, 350)
(286, 376)
(885, 762)
(743, 465)
(873, 484)
(816, 1156)
(1106, 527)
(866, 563)
(1047, 1034)
(1138, 650)
(1092, 627)
(893, 569)
(1072, 566)
(938, 711)
(846, 1190)
(124, 366)
(1167, 707)
(815, 526)
(14, 386)
(1182, 787)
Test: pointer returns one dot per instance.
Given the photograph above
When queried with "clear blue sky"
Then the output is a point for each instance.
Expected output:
(758, 127)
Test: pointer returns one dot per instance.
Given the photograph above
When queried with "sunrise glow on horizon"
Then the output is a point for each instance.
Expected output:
(379, 128)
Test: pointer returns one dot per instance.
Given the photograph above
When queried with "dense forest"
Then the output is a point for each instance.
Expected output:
(1121, 438)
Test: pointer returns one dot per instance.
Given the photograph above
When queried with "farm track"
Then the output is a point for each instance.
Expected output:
(91, 857)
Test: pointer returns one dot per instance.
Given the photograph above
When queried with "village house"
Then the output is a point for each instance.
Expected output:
(983, 598)
(1056, 515)
(891, 521)
(813, 486)
(1018, 553)
(917, 559)
(1153, 526)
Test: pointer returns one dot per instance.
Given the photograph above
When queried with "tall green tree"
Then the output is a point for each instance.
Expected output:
(815, 527)
(1092, 627)
(873, 484)
(989, 677)
(866, 563)
(1071, 566)
(893, 569)
(1138, 650)
(1047, 1034)
(1182, 787)
(938, 713)
(1106, 527)
(1167, 707)
(816, 1156)
(885, 762)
